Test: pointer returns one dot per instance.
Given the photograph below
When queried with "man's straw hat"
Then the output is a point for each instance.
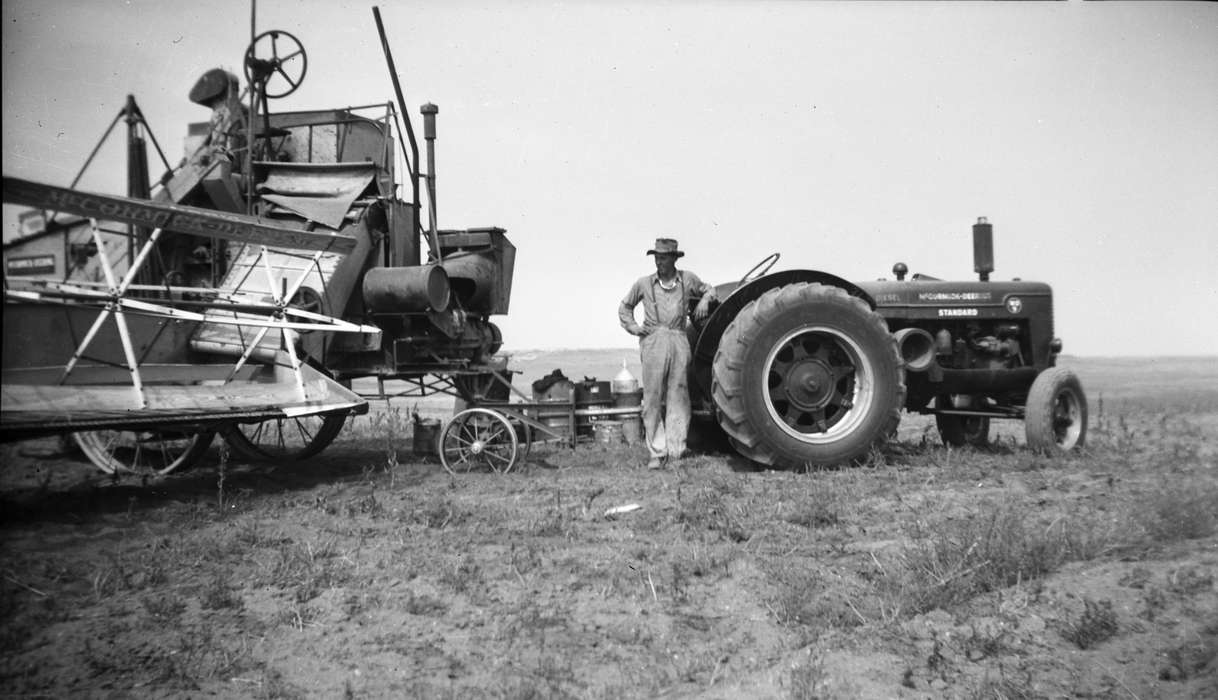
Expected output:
(666, 246)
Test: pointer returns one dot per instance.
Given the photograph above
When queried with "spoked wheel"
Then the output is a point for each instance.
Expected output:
(957, 430)
(1055, 420)
(278, 59)
(478, 439)
(285, 440)
(807, 375)
(146, 452)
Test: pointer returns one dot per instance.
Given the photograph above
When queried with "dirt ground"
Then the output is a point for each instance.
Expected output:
(369, 571)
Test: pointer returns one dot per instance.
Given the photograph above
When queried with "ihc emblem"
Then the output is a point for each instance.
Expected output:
(1014, 305)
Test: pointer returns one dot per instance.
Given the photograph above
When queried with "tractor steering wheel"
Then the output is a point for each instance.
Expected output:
(265, 70)
(760, 268)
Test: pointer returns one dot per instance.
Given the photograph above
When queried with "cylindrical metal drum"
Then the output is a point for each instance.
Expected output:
(556, 418)
(590, 397)
(608, 432)
(426, 435)
(628, 399)
(632, 428)
(401, 289)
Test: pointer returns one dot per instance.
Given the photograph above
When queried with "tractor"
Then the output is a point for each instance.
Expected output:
(801, 368)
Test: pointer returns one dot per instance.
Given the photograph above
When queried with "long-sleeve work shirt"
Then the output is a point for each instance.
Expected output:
(662, 308)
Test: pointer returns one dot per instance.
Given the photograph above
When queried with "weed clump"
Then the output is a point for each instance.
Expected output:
(707, 510)
(1179, 514)
(952, 561)
(1097, 624)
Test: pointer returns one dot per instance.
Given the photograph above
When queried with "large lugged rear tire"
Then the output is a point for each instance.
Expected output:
(1055, 419)
(807, 375)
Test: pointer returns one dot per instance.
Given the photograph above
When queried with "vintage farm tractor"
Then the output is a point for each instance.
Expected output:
(802, 368)
(247, 290)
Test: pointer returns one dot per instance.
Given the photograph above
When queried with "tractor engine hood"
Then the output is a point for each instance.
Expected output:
(947, 299)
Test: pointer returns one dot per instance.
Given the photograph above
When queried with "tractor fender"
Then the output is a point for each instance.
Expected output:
(734, 297)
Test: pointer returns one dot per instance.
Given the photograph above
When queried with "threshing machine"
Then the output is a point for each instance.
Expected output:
(246, 290)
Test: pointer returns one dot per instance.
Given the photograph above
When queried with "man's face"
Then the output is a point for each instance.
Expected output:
(665, 263)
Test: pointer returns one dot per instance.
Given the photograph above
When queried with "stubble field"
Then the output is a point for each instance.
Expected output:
(368, 572)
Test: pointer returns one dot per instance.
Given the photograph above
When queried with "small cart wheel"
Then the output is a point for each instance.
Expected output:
(146, 452)
(477, 439)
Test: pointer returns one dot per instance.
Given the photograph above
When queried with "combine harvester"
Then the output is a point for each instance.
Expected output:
(245, 292)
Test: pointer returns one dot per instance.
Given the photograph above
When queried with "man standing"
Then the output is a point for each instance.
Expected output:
(664, 347)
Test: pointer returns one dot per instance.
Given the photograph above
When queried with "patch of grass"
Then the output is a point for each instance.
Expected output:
(807, 679)
(306, 569)
(423, 605)
(299, 616)
(1097, 624)
(951, 561)
(219, 595)
(554, 520)
(1182, 513)
(439, 514)
(1195, 658)
(817, 508)
(1004, 687)
(805, 601)
(707, 510)
(167, 608)
(464, 577)
(695, 564)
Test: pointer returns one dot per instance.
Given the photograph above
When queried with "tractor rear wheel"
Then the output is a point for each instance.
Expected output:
(1055, 418)
(807, 375)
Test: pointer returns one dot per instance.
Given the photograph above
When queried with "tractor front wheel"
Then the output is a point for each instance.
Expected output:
(807, 375)
(1055, 419)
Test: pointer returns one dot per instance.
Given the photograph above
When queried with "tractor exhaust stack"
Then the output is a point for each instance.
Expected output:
(983, 248)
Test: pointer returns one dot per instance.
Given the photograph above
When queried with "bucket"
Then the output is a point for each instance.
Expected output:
(608, 432)
(632, 429)
(628, 399)
(426, 434)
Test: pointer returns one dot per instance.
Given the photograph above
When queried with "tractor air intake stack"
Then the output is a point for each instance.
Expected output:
(983, 248)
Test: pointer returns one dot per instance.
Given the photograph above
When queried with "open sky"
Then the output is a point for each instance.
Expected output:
(846, 136)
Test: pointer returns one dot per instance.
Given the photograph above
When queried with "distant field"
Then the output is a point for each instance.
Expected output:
(929, 572)
(1170, 378)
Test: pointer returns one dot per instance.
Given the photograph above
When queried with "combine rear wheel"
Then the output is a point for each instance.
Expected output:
(807, 375)
(147, 452)
(1055, 419)
(285, 440)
